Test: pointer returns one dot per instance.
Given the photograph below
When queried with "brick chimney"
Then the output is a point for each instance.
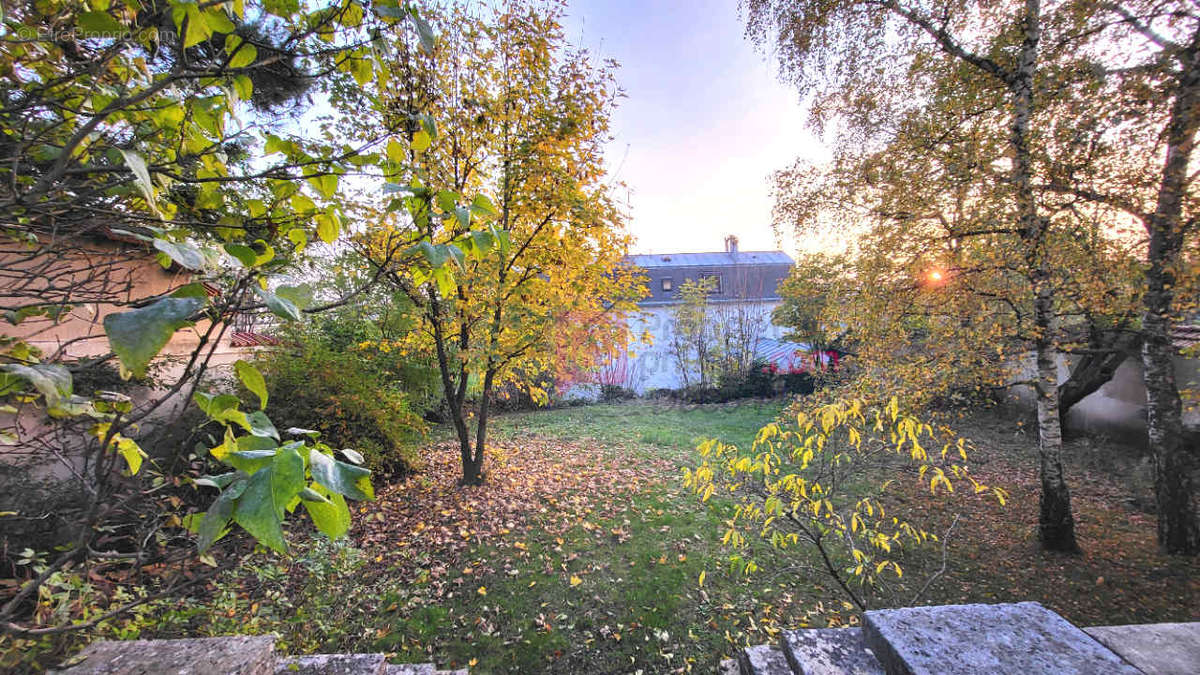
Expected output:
(731, 244)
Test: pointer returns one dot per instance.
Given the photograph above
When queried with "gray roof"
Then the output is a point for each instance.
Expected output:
(721, 258)
(745, 275)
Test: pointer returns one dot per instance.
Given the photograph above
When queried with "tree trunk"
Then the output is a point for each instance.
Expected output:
(454, 395)
(457, 416)
(476, 476)
(1175, 464)
(1091, 373)
(1056, 526)
(454, 403)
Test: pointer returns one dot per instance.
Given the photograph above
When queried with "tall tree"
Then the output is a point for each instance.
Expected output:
(871, 61)
(1059, 105)
(522, 117)
(1145, 68)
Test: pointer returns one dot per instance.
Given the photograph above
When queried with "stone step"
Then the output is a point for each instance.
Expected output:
(410, 669)
(763, 660)
(331, 664)
(1023, 637)
(229, 655)
(728, 667)
(354, 664)
(1156, 648)
(830, 651)
(419, 669)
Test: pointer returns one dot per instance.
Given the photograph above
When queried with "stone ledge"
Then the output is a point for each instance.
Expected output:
(829, 651)
(1154, 648)
(1024, 637)
(410, 669)
(231, 655)
(763, 660)
(1005, 638)
(331, 664)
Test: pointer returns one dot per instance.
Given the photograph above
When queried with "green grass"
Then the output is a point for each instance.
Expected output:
(628, 610)
(638, 604)
(661, 425)
(645, 587)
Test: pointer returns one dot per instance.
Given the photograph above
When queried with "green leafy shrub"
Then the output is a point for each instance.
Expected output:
(756, 381)
(798, 382)
(355, 398)
(271, 477)
(762, 380)
(610, 393)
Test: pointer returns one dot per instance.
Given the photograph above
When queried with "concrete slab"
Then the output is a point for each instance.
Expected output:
(763, 660)
(331, 664)
(1155, 648)
(230, 655)
(410, 669)
(830, 651)
(1023, 638)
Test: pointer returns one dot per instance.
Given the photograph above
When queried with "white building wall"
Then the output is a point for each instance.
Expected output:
(651, 364)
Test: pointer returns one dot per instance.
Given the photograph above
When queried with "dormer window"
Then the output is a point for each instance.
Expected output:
(714, 284)
(667, 285)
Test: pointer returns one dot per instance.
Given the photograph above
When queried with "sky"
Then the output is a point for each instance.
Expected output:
(704, 123)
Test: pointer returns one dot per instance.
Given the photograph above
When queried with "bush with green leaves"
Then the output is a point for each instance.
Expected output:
(610, 393)
(353, 398)
(166, 168)
(271, 477)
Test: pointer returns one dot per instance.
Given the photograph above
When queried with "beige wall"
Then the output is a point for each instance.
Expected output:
(104, 277)
(97, 278)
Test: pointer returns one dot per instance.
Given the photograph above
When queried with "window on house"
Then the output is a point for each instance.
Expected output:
(666, 284)
(716, 282)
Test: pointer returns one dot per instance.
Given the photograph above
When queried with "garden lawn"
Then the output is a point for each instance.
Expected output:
(583, 553)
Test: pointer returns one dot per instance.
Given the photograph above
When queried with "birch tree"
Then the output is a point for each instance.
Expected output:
(1062, 123)
(868, 63)
(1145, 64)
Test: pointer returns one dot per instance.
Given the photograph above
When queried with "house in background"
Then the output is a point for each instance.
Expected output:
(98, 273)
(743, 281)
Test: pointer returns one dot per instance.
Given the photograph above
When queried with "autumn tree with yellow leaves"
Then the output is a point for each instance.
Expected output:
(806, 483)
(1017, 192)
(499, 280)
